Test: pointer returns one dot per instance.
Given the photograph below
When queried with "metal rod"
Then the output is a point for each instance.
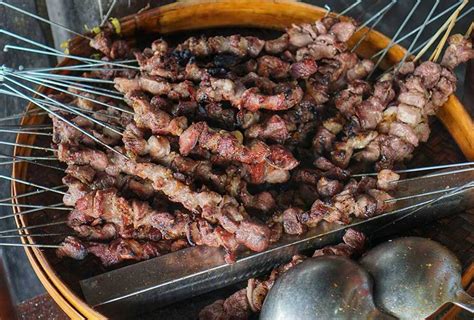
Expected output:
(439, 174)
(22, 213)
(399, 30)
(32, 245)
(26, 132)
(376, 16)
(67, 77)
(37, 81)
(37, 158)
(63, 55)
(33, 184)
(32, 235)
(35, 43)
(62, 105)
(57, 115)
(427, 168)
(424, 194)
(454, 192)
(31, 193)
(32, 206)
(76, 67)
(349, 8)
(33, 227)
(409, 34)
(48, 103)
(422, 28)
(82, 87)
(16, 158)
(44, 20)
(382, 14)
(81, 97)
(26, 146)
(108, 13)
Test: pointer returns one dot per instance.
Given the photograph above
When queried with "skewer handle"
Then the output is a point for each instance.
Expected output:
(464, 300)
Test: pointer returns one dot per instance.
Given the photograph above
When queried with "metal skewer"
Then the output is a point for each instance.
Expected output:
(75, 95)
(412, 32)
(55, 24)
(33, 227)
(394, 38)
(381, 14)
(21, 159)
(57, 115)
(422, 27)
(32, 206)
(22, 213)
(33, 185)
(65, 106)
(8, 47)
(376, 16)
(31, 245)
(27, 146)
(31, 235)
(420, 169)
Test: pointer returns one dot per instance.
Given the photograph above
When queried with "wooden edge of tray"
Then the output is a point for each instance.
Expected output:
(193, 15)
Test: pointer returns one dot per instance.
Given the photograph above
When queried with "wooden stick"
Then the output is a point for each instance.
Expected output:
(452, 21)
(437, 34)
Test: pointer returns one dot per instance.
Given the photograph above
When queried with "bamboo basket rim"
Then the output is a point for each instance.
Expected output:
(194, 15)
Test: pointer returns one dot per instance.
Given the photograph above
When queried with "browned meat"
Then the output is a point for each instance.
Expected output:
(224, 144)
(82, 156)
(343, 30)
(150, 117)
(303, 69)
(386, 179)
(459, 51)
(272, 67)
(274, 128)
(115, 252)
(277, 45)
(253, 100)
(72, 248)
(429, 72)
(328, 187)
(131, 219)
(360, 70)
(291, 224)
(353, 245)
(254, 236)
(76, 190)
(234, 44)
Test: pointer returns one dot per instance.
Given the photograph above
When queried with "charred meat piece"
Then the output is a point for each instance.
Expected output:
(222, 143)
(117, 251)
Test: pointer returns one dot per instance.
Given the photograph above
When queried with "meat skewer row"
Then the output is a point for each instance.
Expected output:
(118, 250)
(161, 60)
(359, 199)
(323, 32)
(213, 207)
(104, 215)
(244, 302)
(83, 179)
(336, 203)
(230, 182)
(387, 128)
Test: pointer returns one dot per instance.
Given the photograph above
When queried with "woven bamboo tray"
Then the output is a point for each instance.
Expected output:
(61, 279)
